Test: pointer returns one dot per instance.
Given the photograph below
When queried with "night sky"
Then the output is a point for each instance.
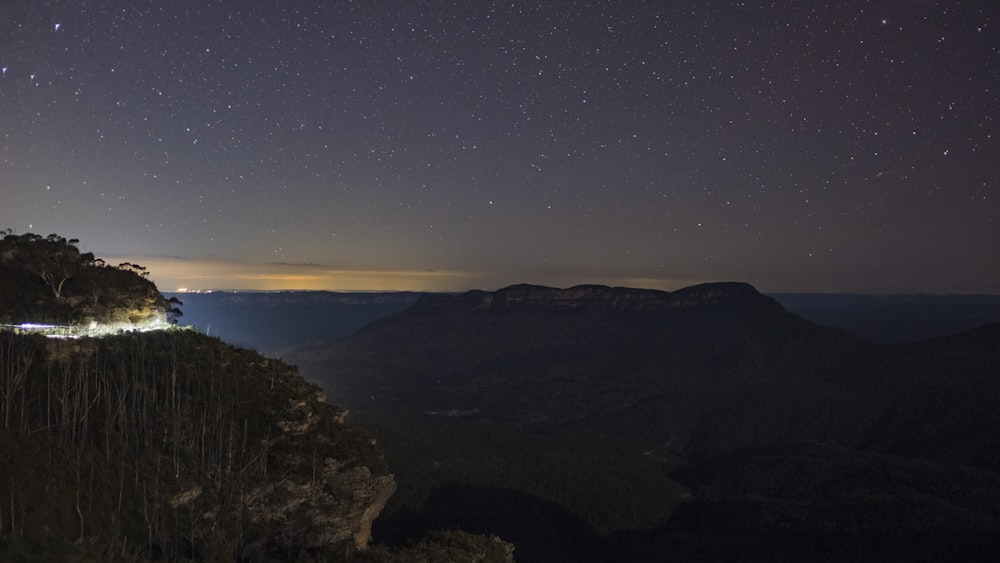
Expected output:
(408, 144)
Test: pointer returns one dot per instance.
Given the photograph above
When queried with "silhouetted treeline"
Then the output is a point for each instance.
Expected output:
(48, 279)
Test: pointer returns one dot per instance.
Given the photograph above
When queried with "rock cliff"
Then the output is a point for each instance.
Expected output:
(175, 445)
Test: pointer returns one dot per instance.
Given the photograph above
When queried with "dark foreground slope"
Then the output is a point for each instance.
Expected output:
(815, 502)
(172, 445)
(601, 402)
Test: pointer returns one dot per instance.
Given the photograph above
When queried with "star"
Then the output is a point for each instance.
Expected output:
(269, 116)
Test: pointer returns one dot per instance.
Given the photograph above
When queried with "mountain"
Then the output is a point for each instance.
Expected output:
(537, 357)
(599, 398)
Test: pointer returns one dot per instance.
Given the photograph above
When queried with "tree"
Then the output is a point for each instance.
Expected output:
(135, 269)
(55, 259)
(174, 312)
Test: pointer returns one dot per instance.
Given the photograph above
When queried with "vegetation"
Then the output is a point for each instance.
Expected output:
(168, 444)
(146, 445)
(452, 546)
(48, 280)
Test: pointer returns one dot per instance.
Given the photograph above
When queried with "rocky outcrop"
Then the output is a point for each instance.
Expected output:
(334, 505)
(333, 500)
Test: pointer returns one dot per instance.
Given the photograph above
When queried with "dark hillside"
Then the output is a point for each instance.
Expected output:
(166, 444)
(673, 380)
(813, 502)
(536, 357)
(895, 318)
(941, 399)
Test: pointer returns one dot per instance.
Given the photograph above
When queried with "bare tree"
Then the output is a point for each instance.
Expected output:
(55, 259)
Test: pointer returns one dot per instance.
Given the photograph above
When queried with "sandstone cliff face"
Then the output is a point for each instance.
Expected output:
(316, 498)
(336, 505)
(330, 501)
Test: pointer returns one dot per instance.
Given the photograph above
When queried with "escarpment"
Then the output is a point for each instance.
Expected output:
(173, 445)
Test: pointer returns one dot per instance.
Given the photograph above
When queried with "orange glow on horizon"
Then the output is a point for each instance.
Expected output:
(174, 274)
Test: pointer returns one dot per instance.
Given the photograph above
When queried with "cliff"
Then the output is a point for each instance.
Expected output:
(172, 445)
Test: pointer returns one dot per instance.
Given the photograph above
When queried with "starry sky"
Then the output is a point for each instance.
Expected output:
(448, 145)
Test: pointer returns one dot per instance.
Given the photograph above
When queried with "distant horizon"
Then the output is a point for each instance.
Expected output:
(209, 291)
(173, 274)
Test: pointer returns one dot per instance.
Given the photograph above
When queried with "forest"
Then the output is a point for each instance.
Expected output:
(48, 280)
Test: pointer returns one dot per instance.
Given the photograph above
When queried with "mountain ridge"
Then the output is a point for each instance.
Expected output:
(601, 297)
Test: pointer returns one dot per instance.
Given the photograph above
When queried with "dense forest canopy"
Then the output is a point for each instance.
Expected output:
(49, 280)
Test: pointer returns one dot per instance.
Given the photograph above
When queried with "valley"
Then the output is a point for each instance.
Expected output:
(631, 423)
